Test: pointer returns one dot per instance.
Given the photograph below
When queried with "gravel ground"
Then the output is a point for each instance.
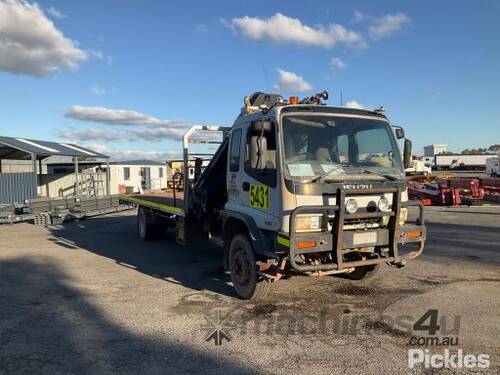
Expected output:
(90, 297)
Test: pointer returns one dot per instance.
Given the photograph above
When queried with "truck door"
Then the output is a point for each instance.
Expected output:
(146, 179)
(253, 189)
(233, 178)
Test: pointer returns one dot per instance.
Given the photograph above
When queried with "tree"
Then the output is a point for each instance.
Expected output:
(474, 151)
(494, 148)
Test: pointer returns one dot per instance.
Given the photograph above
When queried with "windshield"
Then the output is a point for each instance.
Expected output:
(332, 147)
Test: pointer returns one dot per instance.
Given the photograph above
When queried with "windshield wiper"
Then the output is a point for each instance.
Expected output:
(326, 174)
(385, 175)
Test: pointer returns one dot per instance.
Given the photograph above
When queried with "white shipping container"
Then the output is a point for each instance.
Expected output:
(459, 161)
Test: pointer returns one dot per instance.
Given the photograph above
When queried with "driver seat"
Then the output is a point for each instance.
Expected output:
(323, 155)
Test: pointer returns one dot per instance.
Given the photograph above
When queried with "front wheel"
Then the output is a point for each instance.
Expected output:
(362, 273)
(243, 268)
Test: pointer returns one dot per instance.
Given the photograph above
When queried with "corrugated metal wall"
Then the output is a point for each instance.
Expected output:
(16, 187)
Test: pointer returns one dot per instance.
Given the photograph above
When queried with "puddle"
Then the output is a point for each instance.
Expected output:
(263, 309)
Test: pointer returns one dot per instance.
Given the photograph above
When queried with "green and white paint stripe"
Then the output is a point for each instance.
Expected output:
(159, 206)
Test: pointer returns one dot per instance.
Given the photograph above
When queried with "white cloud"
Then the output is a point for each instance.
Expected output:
(31, 44)
(100, 56)
(89, 135)
(388, 24)
(226, 23)
(435, 94)
(118, 117)
(338, 63)
(56, 13)
(291, 82)
(118, 154)
(97, 54)
(97, 90)
(200, 29)
(148, 134)
(359, 16)
(155, 134)
(283, 29)
(354, 104)
(140, 126)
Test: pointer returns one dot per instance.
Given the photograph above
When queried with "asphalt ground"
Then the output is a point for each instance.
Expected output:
(91, 297)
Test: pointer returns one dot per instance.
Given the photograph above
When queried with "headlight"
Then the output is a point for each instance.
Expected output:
(383, 204)
(403, 215)
(351, 206)
(307, 223)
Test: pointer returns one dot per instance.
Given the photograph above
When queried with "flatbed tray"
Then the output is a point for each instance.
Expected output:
(163, 201)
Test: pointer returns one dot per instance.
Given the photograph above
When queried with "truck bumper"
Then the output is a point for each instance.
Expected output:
(339, 242)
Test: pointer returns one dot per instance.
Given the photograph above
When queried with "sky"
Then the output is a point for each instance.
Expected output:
(128, 77)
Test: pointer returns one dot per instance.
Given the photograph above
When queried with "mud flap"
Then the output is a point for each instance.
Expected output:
(180, 230)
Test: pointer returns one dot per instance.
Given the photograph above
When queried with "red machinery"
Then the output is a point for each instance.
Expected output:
(433, 193)
(470, 189)
(454, 190)
(491, 188)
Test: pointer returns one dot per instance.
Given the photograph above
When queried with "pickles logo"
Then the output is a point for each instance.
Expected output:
(448, 338)
(447, 360)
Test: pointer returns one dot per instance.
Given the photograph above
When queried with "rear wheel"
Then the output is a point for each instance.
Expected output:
(147, 229)
(243, 268)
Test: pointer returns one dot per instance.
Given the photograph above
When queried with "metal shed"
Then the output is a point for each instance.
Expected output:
(17, 187)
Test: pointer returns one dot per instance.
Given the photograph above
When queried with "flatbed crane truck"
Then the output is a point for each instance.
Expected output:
(293, 186)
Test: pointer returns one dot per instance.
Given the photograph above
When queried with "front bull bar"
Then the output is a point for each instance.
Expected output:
(336, 241)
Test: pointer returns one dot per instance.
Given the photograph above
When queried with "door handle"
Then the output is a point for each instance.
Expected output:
(245, 186)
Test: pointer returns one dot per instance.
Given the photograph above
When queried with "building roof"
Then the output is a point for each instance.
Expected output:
(138, 162)
(21, 148)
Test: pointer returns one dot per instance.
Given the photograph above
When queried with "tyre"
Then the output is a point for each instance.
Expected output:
(246, 281)
(147, 229)
(362, 273)
(225, 257)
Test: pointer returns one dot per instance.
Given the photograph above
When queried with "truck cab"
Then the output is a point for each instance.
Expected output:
(493, 166)
(323, 185)
(302, 186)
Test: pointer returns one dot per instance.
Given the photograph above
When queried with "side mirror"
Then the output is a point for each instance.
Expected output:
(407, 153)
(259, 126)
(400, 133)
(258, 152)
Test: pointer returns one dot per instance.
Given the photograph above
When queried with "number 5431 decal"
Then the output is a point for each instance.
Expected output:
(259, 196)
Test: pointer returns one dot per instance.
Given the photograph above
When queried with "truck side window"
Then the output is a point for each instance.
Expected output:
(234, 155)
(268, 174)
